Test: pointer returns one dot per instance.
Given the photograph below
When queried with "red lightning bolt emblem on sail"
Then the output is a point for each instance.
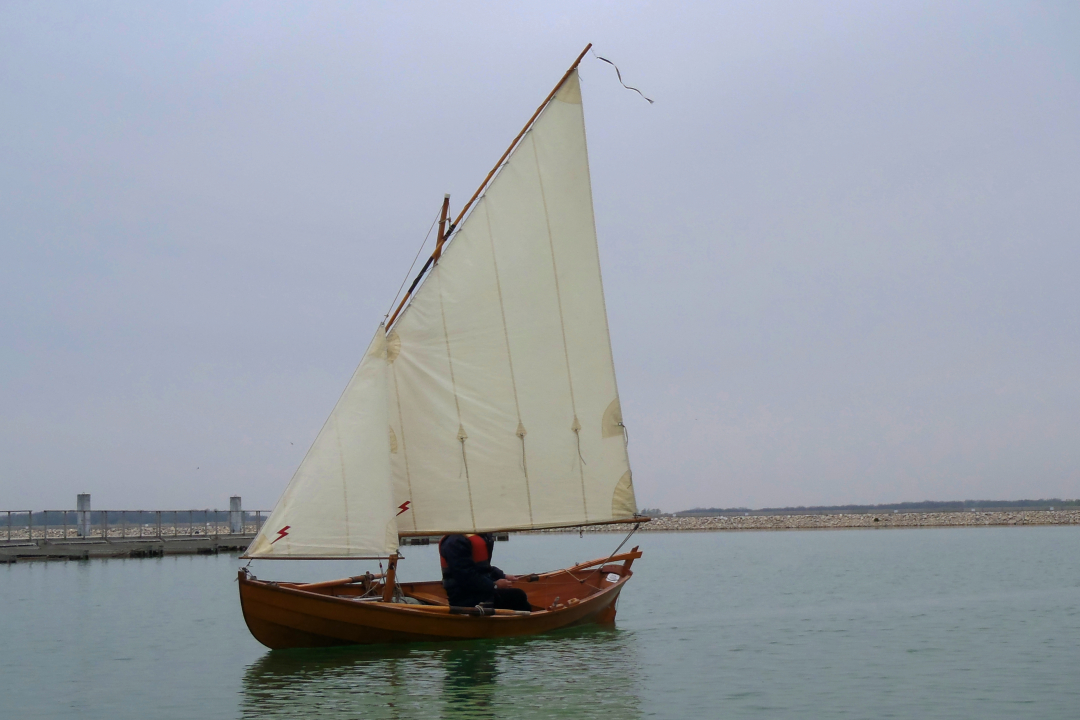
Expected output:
(281, 533)
(404, 506)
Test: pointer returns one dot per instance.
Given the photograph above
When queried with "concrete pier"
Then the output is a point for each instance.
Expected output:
(82, 507)
(84, 533)
(86, 549)
(236, 515)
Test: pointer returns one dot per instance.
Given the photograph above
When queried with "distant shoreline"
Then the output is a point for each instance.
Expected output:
(700, 523)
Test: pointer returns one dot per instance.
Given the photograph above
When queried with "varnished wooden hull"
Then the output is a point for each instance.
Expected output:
(285, 615)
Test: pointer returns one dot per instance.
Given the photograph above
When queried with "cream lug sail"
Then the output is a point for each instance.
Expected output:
(504, 412)
(339, 503)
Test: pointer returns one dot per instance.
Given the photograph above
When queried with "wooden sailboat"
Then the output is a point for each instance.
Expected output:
(486, 402)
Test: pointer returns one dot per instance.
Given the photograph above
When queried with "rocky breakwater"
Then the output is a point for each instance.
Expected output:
(699, 523)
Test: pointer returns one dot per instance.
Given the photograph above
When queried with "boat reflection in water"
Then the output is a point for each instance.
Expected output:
(582, 673)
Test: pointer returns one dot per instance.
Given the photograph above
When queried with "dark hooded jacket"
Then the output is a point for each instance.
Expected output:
(468, 577)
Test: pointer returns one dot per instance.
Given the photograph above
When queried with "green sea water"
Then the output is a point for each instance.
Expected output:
(929, 623)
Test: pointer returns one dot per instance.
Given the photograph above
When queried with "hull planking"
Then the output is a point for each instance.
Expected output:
(286, 615)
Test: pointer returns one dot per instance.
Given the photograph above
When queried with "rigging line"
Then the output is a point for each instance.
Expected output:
(613, 554)
(409, 271)
(619, 74)
(616, 551)
(580, 580)
(636, 526)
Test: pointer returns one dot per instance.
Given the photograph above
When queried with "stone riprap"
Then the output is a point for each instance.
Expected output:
(700, 523)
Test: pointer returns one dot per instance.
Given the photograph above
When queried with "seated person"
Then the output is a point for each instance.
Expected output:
(469, 577)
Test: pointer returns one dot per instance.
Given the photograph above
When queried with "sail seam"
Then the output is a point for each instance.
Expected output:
(344, 482)
(453, 387)
(509, 357)
(600, 279)
(525, 470)
(404, 444)
(562, 321)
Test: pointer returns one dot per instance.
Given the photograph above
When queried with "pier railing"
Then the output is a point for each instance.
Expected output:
(109, 525)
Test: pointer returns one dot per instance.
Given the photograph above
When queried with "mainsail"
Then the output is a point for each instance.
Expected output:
(339, 503)
(504, 412)
(492, 403)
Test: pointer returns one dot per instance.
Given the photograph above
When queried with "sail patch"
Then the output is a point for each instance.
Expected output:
(393, 346)
(570, 92)
(611, 424)
(623, 502)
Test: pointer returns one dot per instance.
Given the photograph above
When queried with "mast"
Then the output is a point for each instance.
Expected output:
(442, 228)
(461, 215)
(390, 581)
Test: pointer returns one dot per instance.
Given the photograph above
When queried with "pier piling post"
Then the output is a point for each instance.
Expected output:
(236, 516)
(82, 506)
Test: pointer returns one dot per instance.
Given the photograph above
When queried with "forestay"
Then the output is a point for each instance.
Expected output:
(339, 503)
(504, 412)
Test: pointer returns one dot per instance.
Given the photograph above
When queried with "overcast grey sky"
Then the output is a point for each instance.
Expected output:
(840, 252)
